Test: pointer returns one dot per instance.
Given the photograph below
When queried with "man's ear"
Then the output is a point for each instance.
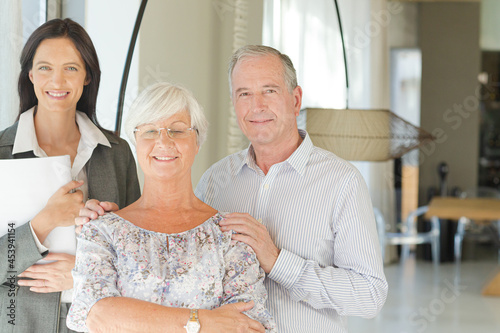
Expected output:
(297, 96)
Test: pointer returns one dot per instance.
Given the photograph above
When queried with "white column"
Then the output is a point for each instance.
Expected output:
(11, 40)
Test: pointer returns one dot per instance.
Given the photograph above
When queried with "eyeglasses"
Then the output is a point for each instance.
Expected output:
(150, 132)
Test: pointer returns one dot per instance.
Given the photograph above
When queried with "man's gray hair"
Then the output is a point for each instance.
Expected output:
(259, 51)
(161, 101)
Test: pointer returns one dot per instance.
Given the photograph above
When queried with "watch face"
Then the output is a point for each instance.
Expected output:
(192, 327)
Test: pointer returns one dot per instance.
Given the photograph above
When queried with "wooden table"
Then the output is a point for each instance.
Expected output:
(478, 209)
(487, 209)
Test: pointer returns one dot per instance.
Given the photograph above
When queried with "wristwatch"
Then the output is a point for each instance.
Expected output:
(193, 324)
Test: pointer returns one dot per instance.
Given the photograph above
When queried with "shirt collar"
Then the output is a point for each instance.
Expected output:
(300, 157)
(25, 139)
(26, 136)
(298, 160)
(91, 134)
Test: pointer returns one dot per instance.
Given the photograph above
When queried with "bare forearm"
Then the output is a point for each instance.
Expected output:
(122, 314)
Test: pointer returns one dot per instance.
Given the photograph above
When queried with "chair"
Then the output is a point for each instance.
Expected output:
(463, 223)
(409, 235)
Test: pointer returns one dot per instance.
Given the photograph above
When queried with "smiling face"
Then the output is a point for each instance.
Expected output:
(164, 157)
(265, 109)
(58, 75)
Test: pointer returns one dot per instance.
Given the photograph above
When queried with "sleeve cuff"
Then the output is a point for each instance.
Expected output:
(287, 269)
(39, 245)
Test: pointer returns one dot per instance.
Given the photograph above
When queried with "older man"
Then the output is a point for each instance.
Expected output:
(305, 212)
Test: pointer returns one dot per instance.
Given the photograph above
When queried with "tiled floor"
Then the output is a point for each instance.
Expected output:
(424, 299)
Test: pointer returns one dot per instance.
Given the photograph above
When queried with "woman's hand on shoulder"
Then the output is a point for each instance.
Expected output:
(229, 318)
(93, 209)
(60, 211)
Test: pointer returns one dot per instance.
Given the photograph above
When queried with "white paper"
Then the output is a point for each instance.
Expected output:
(25, 187)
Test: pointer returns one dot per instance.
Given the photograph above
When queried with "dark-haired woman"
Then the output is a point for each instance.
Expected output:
(58, 87)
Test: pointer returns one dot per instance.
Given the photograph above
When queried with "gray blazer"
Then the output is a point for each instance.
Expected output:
(112, 176)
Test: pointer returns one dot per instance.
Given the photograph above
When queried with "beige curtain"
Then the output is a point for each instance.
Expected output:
(11, 39)
(382, 174)
(236, 141)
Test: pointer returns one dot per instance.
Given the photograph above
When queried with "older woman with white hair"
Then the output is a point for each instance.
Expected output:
(163, 263)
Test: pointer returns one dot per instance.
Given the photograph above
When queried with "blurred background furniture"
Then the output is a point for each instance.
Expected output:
(464, 210)
(408, 235)
(477, 229)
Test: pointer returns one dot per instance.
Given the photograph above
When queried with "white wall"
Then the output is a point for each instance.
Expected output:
(449, 40)
(111, 36)
(74, 9)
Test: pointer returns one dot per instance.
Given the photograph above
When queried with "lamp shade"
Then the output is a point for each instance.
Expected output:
(363, 135)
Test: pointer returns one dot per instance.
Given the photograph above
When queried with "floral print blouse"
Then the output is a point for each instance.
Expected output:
(201, 268)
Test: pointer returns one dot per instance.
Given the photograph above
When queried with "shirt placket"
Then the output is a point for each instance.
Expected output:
(265, 194)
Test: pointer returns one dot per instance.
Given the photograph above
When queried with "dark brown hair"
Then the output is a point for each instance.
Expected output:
(59, 28)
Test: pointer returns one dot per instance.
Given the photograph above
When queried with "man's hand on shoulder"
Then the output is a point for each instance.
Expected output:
(92, 210)
(252, 232)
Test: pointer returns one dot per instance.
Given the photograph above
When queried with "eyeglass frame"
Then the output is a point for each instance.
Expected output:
(169, 132)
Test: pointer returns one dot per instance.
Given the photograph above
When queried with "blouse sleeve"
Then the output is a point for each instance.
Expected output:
(244, 282)
(94, 274)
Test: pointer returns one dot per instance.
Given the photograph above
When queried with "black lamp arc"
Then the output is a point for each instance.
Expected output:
(344, 53)
(126, 70)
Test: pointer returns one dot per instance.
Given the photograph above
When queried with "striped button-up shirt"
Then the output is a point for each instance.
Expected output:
(318, 212)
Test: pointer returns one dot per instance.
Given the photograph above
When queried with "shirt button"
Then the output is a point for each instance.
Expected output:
(266, 186)
(260, 220)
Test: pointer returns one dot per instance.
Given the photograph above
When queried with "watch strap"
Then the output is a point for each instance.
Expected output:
(193, 324)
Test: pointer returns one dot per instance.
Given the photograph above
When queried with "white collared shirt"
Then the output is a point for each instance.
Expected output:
(90, 137)
(317, 210)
